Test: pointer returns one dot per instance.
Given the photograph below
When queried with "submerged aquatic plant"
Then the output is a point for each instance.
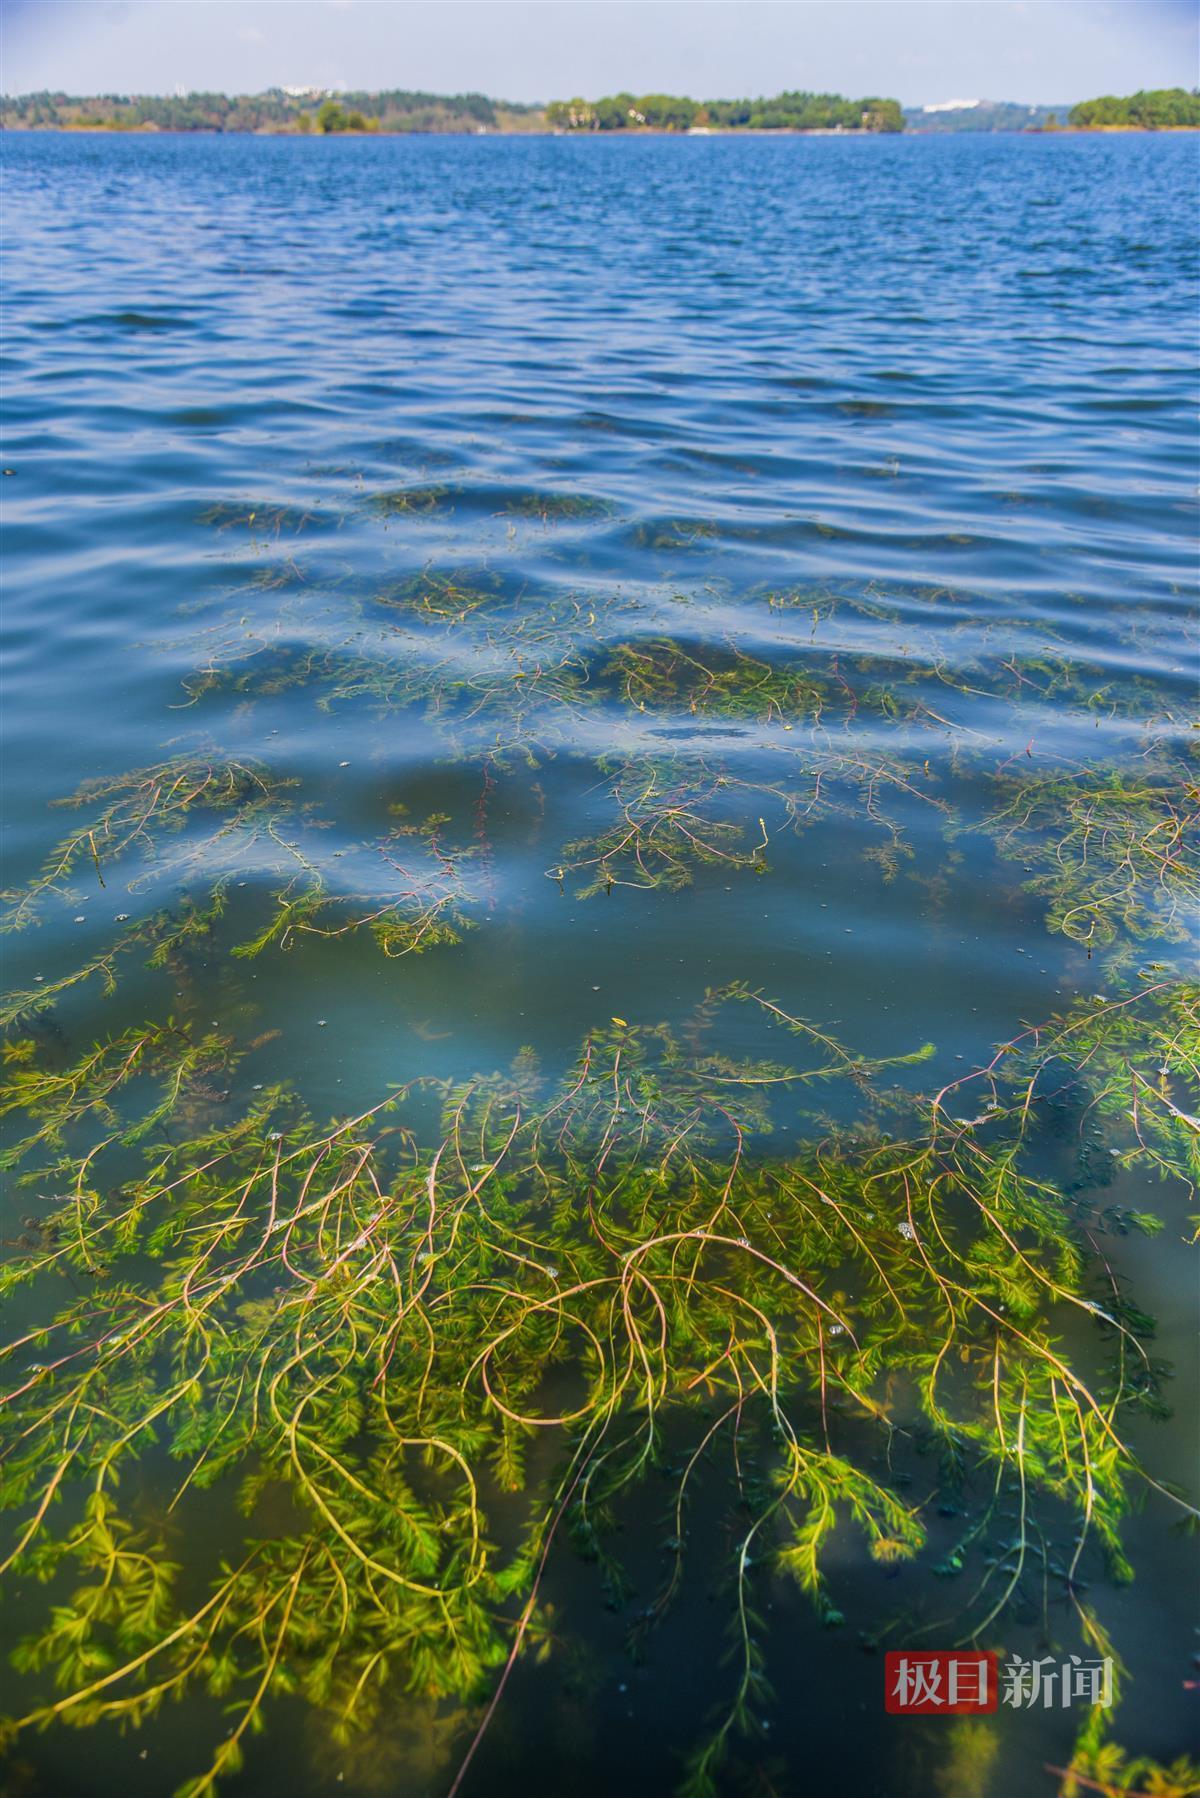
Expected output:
(426, 913)
(676, 814)
(358, 1331)
(1113, 1773)
(441, 598)
(407, 1353)
(138, 812)
(1112, 852)
(267, 518)
(401, 500)
(662, 675)
(410, 904)
(547, 506)
(668, 825)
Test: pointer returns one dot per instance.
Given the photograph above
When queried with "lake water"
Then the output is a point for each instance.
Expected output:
(530, 583)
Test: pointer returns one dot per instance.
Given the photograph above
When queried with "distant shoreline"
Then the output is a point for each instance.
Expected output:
(151, 131)
(400, 112)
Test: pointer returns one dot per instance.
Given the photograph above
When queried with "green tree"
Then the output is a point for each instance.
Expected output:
(1160, 109)
(676, 112)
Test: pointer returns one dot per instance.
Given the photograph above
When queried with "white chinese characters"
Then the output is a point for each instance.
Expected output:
(1026, 1684)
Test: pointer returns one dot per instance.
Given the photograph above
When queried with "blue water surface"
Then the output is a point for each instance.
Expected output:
(912, 420)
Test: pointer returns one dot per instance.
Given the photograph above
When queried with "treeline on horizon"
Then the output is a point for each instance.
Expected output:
(675, 112)
(391, 109)
(404, 110)
(401, 110)
(1161, 109)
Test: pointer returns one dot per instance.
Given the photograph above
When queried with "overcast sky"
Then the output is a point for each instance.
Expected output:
(916, 50)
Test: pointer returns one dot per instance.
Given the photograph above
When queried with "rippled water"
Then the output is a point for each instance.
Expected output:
(744, 548)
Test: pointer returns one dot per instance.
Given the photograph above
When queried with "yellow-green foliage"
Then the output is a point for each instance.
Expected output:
(378, 1318)
(1110, 852)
